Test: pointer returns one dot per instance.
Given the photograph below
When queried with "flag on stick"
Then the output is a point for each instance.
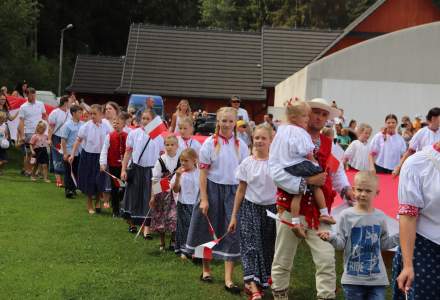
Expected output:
(155, 127)
(275, 217)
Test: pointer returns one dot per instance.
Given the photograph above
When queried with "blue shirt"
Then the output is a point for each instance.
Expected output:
(69, 132)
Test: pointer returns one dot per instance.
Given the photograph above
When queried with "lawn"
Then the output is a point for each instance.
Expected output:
(51, 248)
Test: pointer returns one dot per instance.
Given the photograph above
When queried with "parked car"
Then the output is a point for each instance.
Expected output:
(205, 125)
(47, 97)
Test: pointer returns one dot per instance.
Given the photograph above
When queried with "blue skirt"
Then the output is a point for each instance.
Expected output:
(91, 181)
(221, 202)
(426, 263)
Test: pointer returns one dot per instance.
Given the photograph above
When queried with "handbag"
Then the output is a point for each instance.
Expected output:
(130, 169)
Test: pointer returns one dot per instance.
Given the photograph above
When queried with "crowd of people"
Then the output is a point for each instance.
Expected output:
(256, 191)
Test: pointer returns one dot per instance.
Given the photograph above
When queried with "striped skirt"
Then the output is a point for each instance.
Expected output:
(91, 181)
(184, 212)
(426, 263)
(136, 202)
(257, 242)
(221, 202)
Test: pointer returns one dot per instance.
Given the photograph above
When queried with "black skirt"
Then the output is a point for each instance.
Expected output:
(91, 181)
(184, 212)
(41, 156)
(136, 202)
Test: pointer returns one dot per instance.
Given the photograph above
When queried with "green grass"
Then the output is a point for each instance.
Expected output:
(51, 248)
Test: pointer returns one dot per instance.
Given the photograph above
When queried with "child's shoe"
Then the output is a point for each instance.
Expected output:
(326, 219)
(33, 178)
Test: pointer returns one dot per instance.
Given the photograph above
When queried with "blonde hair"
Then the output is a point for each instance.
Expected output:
(3, 116)
(366, 176)
(296, 108)
(189, 153)
(363, 126)
(188, 111)
(171, 137)
(41, 126)
(187, 120)
(221, 111)
(267, 128)
(97, 107)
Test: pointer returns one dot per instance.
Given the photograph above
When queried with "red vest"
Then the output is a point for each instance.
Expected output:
(117, 148)
(308, 207)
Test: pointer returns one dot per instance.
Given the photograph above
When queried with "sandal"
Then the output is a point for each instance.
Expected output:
(132, 229)
(33, 178)
(47, 180)
(207, 278)
(232, 288)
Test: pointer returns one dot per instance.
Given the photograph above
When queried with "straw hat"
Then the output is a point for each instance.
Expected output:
(324, 105)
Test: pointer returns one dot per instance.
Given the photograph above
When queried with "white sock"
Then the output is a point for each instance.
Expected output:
(296, 221)
(323, 211)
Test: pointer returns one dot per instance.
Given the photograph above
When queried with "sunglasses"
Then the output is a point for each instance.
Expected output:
(235, 101)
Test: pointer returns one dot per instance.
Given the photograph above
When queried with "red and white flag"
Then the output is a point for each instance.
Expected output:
(155, 127)
(332, 164)
(161, 186)
(276, 217)
(204, 251)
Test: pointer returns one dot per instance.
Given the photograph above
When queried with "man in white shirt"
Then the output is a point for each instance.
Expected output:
(30, 114)
(242, 114)
(426, 136)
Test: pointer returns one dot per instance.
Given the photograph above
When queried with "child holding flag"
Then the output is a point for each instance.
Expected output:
(220, 156)
(255, 194)
(163, 206)
(111, 157)
(300, 161)
(186, 183)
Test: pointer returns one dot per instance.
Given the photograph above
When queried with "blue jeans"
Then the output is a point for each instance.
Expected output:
(364, 292)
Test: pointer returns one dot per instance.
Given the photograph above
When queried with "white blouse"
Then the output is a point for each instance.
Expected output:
(189, 187)
(419, 186)
(57, 118)
(93, 136)
(170, 164)
(260, 187)
(424, 137)
(191, 143)
(224, 161)
(136, 141)
(389, 152)
(357, 155)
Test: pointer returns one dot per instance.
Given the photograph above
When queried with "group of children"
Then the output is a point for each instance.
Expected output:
(215, 191)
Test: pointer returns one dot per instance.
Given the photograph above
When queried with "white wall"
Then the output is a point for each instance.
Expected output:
(371, 101)
(294, 86)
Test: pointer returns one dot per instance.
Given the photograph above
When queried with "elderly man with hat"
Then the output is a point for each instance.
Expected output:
(242, 113)
(333, 180)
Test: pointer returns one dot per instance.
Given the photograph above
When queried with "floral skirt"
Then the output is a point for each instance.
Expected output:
(163, 216)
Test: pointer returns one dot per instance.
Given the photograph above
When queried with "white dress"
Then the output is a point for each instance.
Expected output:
(357, 155)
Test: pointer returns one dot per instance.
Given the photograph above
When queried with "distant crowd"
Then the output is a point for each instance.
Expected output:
(247, 192)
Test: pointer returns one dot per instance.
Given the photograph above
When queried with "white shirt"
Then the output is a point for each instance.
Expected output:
(419, 186)
(108, 123)
(290, 146)
(189, 187)
(57, 118)
(170, 164)
(260, 187)
(241, 112)
(357, 155)
(424, 137)
(191, 143)
(290, 183)
(389, 152)
(31, 113)
(224, 161)
(93, 136)
(136, 141)
(126, 129)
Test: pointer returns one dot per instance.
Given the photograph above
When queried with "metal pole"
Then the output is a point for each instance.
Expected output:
(60, 70)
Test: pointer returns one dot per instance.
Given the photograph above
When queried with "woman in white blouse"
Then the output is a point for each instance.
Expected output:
(387, 147)
(416, 266)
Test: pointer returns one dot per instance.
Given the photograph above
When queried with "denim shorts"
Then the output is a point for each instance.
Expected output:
(364, 292)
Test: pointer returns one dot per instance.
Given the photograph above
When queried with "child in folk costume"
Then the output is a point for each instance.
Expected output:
(256, 193)
(69, 134)
(186, 183)
(356, 155)
(91, 137)
(39, 143)
(300, 162)
(143, 151)
(186, 130)
(219, 156)
(163, 206)
(112, 154)
(4, 140)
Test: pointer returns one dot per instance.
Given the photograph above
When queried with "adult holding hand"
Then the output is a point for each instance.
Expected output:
(417, 261)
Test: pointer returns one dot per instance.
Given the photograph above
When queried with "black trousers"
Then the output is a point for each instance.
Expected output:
(69, 185)
(117, 192)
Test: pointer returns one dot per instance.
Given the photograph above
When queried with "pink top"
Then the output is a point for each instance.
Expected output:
(39, 140)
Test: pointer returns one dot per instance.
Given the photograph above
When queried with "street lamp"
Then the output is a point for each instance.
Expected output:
(70, 26)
